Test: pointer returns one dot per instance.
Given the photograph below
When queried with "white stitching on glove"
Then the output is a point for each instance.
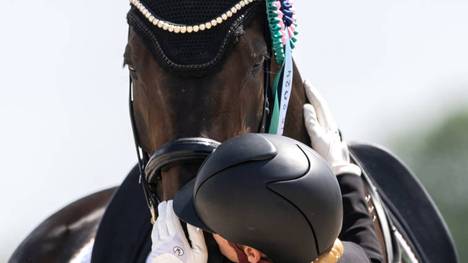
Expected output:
(169, 242)
(324, 134)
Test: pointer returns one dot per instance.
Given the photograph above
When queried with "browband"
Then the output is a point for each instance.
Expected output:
(181, 28)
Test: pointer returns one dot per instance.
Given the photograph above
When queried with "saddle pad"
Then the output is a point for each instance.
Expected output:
(124, 233)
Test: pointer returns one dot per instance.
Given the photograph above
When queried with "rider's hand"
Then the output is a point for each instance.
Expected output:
(324, 134)
(169, 242)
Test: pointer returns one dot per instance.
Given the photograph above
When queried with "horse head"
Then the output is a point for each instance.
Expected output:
(214, 95)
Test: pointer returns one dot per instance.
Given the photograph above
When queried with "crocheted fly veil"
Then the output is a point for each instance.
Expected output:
(190, 36)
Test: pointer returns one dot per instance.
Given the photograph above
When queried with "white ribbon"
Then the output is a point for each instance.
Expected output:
(286, 89)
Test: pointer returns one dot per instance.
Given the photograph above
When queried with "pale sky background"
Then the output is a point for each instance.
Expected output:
(384, 66)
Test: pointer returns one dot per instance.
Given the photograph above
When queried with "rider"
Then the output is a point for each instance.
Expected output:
(267, 191)
(357, 231)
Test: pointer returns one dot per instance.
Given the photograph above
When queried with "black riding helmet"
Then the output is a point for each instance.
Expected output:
(269, 192)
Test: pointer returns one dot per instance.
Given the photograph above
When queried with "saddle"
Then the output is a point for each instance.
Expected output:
(411, 227)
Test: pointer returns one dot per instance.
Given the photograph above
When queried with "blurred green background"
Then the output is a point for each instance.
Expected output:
(438, 154)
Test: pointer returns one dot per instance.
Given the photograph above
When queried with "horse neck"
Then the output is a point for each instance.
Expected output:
(294, 126)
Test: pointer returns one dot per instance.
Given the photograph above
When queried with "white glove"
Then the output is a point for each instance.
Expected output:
(324, 134)
(169, 242)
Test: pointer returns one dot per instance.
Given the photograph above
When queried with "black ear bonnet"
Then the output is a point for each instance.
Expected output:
(268, 192)
(193, 53)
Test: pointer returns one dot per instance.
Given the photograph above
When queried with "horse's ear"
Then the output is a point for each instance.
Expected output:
(126, 54)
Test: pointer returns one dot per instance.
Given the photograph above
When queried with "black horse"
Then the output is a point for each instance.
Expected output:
(189, 91)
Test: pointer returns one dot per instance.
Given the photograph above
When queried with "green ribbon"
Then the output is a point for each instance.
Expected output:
(274, 123)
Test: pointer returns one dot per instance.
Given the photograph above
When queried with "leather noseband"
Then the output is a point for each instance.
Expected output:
(182, 149)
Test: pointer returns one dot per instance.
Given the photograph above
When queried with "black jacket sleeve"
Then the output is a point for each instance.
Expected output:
(353, 254)
(357, 224)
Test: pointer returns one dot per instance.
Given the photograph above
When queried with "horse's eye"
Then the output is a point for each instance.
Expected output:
(257, 66)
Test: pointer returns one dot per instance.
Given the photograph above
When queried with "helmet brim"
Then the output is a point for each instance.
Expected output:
(184, 206)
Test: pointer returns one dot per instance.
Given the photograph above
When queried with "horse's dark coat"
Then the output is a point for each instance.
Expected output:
(63, 234)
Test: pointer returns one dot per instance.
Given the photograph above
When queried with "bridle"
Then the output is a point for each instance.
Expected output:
(184, 149)
(280, 28)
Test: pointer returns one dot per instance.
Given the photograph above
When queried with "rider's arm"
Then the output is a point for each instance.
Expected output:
(357, 224)
(353, 254)
(326, 140)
